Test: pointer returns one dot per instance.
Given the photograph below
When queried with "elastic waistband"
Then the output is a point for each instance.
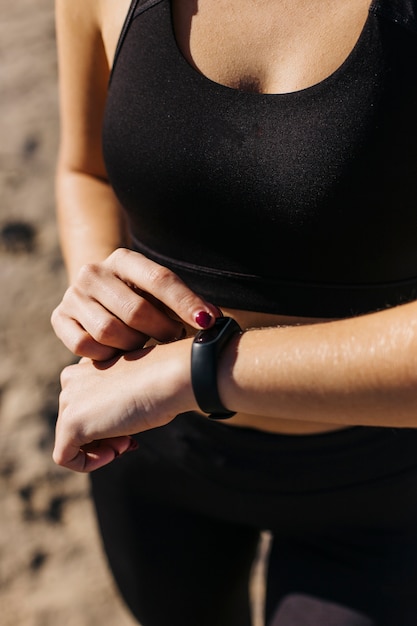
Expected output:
(255, 461)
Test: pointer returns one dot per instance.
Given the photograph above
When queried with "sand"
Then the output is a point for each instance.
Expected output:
(52, 570)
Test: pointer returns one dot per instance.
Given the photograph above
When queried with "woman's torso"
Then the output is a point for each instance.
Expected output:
(310, 39)
(292, 46)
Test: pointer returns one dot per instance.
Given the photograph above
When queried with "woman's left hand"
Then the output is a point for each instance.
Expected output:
(103, 404)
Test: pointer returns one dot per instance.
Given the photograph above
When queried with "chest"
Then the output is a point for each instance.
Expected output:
(267, 46)
(312, 170)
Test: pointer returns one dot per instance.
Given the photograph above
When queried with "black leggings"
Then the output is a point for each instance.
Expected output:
(181, 518)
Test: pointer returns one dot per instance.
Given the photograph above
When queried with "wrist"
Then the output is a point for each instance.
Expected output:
(227, 384)
(178, 355)
(206, 352)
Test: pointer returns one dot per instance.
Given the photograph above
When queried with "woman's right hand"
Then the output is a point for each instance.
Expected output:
(118, 304)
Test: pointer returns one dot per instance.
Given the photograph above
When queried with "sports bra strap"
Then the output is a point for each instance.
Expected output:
(143, 5)
(136, 7)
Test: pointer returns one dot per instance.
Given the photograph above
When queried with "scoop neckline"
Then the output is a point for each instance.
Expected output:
(206, 81)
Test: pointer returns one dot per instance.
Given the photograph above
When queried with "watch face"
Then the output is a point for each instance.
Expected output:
(204, 366)
(205, 336)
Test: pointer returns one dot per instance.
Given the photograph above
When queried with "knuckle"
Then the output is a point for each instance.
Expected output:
(117, 256)
(87, 274)
(106, 329)
(71, 293)
(81, 344)
(159, 275)
(132, 311)
(66, 376)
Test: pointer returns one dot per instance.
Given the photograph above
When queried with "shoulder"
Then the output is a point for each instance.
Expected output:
(92, 21)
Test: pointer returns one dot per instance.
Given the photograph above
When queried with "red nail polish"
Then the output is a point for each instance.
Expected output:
(203, 319)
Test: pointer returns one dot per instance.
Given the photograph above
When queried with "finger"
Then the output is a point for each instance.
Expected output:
(98, 454)
(107, 329)
(164, 285)
(81, 342)
(93, 455)
(85, 305)
(136, 309)
(140, 312)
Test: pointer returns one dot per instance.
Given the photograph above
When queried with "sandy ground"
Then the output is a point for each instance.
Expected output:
(52, 570)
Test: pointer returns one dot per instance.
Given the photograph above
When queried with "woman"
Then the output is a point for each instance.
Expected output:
(259, 164)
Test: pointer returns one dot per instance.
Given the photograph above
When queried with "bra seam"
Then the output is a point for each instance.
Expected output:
(209, 271)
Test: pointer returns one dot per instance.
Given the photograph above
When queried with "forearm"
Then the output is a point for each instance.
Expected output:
(360, 371)
(90, 220)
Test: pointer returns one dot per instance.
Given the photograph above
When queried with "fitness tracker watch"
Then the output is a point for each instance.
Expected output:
(206, 348)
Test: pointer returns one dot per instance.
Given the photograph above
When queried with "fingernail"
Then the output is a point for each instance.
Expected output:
(203, 319)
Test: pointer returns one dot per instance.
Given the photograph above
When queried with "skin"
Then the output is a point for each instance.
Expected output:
(286, 375)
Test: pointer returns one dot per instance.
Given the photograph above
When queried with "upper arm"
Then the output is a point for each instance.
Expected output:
(83, 80)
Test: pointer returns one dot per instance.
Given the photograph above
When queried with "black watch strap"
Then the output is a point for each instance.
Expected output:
(206, 348)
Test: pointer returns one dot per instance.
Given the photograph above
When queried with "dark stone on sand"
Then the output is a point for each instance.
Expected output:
(38, 561)
(18, 237)
(30, 147)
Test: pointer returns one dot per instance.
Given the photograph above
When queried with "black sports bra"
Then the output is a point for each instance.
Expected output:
(297, 204)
